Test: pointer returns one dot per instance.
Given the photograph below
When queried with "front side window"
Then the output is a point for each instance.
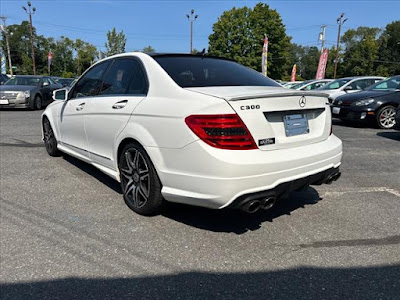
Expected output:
(199, 71)
(390, 84)
(125, 77)
(90, 83)
(360, 84)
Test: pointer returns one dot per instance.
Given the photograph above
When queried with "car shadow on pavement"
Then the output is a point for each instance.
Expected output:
(225, 220)
(392, 135)
(377, 282)
(94, 172)
(237, 221)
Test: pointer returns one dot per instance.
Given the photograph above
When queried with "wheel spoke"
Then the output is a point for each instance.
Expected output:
(129, 161)
(136, 161)
(126, 173)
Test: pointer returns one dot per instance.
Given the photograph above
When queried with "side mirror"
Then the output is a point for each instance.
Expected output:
(348, 88)
(61, 94)
(45, 83)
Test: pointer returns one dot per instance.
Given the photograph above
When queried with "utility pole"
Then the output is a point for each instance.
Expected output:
(322, 37)
(191, 19)
(30, 11)
(340, 21)
(4, 29)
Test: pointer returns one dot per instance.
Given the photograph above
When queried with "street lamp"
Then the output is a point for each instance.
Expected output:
(340, 21)
(30, 11)
(191, 19)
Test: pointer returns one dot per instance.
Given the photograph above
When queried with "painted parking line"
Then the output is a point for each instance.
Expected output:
(363, 190)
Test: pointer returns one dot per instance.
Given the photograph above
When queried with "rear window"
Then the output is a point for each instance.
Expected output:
(198, 71)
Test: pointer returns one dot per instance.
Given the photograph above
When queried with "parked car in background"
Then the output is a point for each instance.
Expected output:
(27, 91)
(288, 85)
(310, 84)
(346, 85)
(376, 103)
(3, 78)
(397, 125)
(64, 81)
(193, 129)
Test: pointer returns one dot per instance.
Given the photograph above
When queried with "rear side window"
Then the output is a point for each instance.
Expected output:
(198, 71)
(125, 77)
(90, 83)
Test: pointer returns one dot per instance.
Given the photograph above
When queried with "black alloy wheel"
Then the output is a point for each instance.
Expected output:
(49, 139)
(386, 117)
(140, 184)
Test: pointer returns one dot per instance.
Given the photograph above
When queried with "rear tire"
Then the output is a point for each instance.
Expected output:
(140, 184)
(385, 118)
(50, 141)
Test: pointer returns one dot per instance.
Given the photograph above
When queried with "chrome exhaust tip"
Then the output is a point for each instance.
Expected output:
(268, 203)
(251, 206)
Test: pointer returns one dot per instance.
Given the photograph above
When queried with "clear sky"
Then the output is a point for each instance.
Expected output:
(164, 26)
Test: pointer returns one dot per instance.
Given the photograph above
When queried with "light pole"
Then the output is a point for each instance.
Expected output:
(340, 21)
(30, 11)
(4, 29)
(191, 19)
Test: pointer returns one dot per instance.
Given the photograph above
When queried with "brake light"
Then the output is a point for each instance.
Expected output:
(222, 131)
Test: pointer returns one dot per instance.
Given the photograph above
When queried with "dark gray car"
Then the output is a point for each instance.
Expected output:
(27, 91)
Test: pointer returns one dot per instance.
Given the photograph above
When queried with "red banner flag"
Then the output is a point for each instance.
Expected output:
(322, 65)
(293, 78)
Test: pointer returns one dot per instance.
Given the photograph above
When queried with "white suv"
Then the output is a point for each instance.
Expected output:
(346, 85)
(193, 129)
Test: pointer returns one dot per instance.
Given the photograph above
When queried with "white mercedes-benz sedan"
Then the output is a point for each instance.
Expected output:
(193, 129)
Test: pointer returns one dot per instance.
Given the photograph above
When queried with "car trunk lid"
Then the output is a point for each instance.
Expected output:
(278, 118)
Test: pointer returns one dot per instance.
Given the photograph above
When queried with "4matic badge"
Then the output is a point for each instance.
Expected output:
(265, 142)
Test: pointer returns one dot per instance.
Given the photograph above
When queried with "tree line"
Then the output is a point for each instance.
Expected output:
(238, 34)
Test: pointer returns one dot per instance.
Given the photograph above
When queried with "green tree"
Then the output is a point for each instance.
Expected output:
(20, 47)
(86, 54)
(63, 57)
(149, 49)
(306, 58)
(115, 42)
(238, 34)
(361, 51)
(389, 50)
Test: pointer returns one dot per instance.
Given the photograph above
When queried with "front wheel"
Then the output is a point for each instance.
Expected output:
(386, 117)
(140, 184)
(50, 141)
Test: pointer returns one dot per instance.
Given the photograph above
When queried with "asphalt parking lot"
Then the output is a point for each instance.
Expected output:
(67, 234)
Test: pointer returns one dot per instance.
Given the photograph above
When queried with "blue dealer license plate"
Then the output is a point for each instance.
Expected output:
(296, 124)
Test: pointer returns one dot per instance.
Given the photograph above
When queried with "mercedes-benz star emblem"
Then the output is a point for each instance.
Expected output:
(302, 101)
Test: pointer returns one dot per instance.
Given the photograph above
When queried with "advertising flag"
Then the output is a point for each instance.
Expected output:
(264, 56)
(293, 78)
(322, 65)
(3, 62)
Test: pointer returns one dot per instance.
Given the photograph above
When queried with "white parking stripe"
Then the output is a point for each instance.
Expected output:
(364, 190)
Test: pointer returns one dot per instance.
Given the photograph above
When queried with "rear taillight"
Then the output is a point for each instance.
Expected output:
(222, 131)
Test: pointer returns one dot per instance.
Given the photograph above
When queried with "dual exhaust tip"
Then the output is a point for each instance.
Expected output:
(254, 205)
(332, 178)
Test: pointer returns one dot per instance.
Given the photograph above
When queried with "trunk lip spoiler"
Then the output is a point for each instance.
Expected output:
(259, 96)
(277, 95)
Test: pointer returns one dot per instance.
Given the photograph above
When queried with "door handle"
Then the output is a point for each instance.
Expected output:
(120, 104)
(80, 106)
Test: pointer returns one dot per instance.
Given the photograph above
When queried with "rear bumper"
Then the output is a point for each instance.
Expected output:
(204, 176)
(327, 176)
